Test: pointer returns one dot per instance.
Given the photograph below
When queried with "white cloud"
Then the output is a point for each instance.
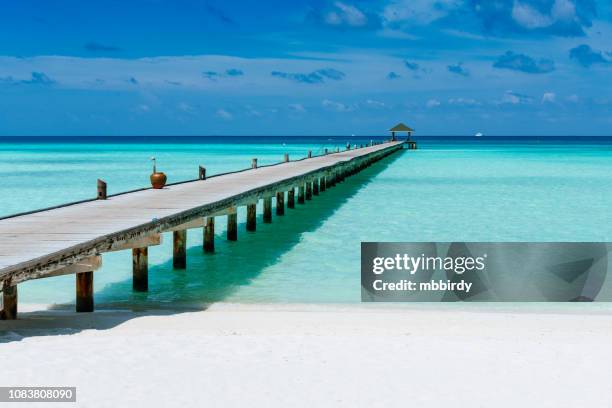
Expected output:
(573, 98)
(419, 11)
(297, 107)
(185, 107)
(346, 14)
(433, 103)
(514, 98)
(529, 17)
(464, 102)
(251, 111)
(223, 114)
(336, 106)
(375, 104)
(549, 97)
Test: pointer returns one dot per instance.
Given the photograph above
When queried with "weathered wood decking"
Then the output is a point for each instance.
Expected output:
(70, 239)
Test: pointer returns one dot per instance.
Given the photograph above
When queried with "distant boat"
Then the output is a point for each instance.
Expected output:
(478, 134)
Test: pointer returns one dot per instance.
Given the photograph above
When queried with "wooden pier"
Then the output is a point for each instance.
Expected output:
(70, 239)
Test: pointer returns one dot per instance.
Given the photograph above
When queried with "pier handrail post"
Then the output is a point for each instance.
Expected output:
(326, 151)
(254, 163)
(310, 154)
(286, 158)
(202, 173)
(101, 189)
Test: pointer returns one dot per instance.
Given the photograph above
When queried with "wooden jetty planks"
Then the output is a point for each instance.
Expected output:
(33, 245)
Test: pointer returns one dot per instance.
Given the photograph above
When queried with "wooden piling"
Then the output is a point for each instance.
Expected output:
(323, 183)
(291, 198)
(209, 235)
(315, 187)
(84, 292)
(301, 194)
(267, 207)
(9, 302)
(309, 190)
(232, 227)
(251, 224)
(140, 269)
(202, 173)
(179, 253)
(280, 203)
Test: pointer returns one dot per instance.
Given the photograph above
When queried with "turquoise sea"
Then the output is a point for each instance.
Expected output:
(449, 190)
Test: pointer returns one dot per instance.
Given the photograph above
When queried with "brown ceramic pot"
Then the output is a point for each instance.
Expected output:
(158, 179)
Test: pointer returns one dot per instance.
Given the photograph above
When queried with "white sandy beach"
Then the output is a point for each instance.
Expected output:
(314, 356)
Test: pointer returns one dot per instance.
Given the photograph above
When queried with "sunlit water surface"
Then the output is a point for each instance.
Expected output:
(442, 192)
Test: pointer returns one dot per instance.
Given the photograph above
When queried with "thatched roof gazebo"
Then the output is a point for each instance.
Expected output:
(400, 127)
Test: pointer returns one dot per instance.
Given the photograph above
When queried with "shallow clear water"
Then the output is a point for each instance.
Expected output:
(442, 192)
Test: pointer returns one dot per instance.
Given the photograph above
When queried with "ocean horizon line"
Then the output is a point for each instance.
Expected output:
(291, 139)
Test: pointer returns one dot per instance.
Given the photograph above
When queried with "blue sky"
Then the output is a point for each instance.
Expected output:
(182, 67)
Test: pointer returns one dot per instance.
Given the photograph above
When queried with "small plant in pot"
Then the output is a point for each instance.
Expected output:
(158, 179)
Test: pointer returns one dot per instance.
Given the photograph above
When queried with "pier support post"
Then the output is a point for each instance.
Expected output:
(315, 187)
(202, 173)
(251, 224)
(232, 226)
(301, 194)
(179, 254)
(309, 190)
(101, 190)
(280, 203)
(9, 301)
(140, 269)
(84, 292)
(322, 183)
(291, 198)
(209, 235)
(267, 210)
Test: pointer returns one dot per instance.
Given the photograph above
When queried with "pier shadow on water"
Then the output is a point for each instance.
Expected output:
(209, 278)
